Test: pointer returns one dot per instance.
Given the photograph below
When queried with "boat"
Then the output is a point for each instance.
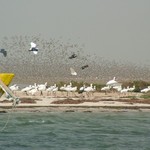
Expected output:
(5, 80)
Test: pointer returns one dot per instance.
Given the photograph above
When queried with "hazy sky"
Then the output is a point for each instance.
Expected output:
(112, 29)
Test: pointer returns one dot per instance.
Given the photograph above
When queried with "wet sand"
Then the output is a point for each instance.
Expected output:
(98, 102)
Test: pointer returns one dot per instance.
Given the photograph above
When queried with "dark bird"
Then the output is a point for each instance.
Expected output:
(83, 67)
(33, 48)
(4, 52)
(73, 56)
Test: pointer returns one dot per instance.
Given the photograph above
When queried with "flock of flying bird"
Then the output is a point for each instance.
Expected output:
(52, 61)
(32, 89)
(35, 50)
(109, 85)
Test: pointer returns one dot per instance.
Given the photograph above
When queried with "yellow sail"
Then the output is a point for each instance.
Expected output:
(6, 78)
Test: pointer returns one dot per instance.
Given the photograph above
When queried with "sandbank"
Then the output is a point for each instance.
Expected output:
(98, 102)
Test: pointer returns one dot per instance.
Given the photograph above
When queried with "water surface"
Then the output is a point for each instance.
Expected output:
(76, 131)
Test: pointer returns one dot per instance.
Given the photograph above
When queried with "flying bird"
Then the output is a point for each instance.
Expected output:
(73, 56)
(73, 72)
(83, 67)
(33, 48)
(4, 52)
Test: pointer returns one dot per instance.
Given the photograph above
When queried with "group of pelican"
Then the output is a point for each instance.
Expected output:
(51, 90)
(31, 89)
(113, 84)
(70, 89)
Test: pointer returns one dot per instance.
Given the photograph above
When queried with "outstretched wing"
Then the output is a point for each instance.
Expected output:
(33, 45)
(73, 72)
(83, 67)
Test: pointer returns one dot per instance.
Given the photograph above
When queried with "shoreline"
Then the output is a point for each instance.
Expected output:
(74, 109)
(99, 103)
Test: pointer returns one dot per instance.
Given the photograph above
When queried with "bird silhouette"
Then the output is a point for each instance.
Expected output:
(73, 56)
(85, 66)
(4, 52)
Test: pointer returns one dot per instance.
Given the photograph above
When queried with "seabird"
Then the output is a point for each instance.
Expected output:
(4, 52)
(83, 67)
(73, 72)
(33, 48)
(73, 56)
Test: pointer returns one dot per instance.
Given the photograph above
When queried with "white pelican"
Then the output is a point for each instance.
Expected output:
(131, 89)
(33, 91)
(42, 87)
(112, 82)
(117, 87)
(14, 88)
(146, 90)
(54, 90)
(62, 88)
(105, 89)
(33, 48)
(27, 89)
(125, 90)
(70, 89)
(50, 89)
(89, 89)
(73, 72)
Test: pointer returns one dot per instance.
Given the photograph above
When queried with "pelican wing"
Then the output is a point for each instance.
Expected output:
(73, 72)
(35, 52)
(33, 45)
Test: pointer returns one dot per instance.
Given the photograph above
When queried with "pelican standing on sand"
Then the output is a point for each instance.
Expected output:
(112, 82)
(105, 89)
(14, 88)
(145, 90)
(89, 90)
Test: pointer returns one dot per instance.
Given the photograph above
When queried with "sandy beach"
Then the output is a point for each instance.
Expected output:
(98, 102)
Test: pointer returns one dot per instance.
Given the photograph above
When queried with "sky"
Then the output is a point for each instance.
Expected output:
(110, 29)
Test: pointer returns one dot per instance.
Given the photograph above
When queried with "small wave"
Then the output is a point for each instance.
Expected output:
(36, 121)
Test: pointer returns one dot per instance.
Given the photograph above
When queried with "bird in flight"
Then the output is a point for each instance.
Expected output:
(33, 48)
(73, 72)
(73, 56)
(85, 66)
(4, 52)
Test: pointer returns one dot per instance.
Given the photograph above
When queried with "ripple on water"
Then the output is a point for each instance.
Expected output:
(76, 131)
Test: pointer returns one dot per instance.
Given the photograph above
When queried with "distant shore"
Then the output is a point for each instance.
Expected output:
(99, 102)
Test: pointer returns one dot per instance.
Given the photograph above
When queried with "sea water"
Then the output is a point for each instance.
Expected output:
(76, 131)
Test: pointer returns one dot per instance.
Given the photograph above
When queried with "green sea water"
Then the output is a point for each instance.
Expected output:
(76, 131)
